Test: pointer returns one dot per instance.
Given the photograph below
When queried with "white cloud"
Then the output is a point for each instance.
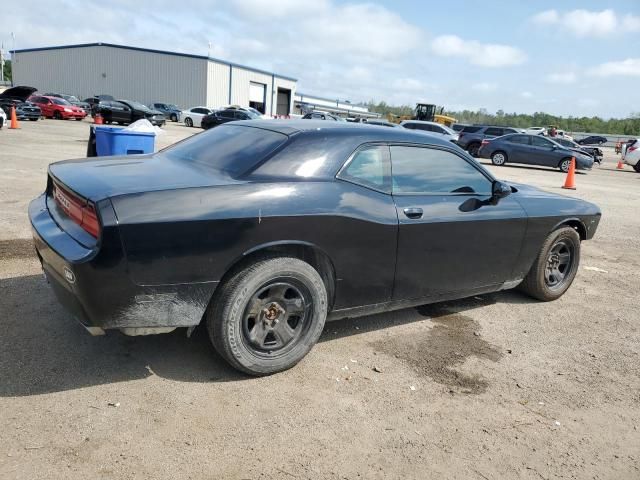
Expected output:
(476, 53)
(484, 87)
(586, 23)
(548, 17)
(563, 78)
(269, 9)
(629, 67)
(526, 94)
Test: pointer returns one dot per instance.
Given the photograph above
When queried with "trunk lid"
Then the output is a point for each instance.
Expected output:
(102, 177)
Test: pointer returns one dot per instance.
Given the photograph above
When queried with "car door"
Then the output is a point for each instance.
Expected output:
(519, 148)
(46, 106)
(453, 236)
(543, 152)
(121, 113)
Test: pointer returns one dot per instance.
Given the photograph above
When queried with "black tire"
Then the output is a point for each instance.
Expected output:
(57, 115)
(473, 148)
(548, 279)
(499, 158)
(636, 167)
(33, 119)
(78, 119)
(188, 122)
(565, 164)
(173, 117)
(248, 323)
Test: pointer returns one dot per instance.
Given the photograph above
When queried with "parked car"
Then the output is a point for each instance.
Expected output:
(58, 108)
(471, 137)
(248, 227)
(431, 127)
(73, 100)
(595, 152)
(593, 140)
(125, 112)
(28, 111)
(322, 116)
(257, 113)
(193, 117)
(169, 110)
(535, 131)
(631, 155)
(533, 150)
(458, 127)
(15, 97)
(3, 118)
(95, 101)
(227, 115)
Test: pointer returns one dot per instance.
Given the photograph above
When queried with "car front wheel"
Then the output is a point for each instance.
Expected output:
(173, 117)
(188, 122)
(555, 267)
(499, 158)
(473, 149)
(266, 317)
(565, 164)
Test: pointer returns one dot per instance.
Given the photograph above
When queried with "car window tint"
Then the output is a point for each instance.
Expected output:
(541, 142)
(427, 170)
(523, 139)
(437, 129)
(471, 129)
(424, 127)
(493, 131)
(369, 167)
(228, 148)
(410, 126)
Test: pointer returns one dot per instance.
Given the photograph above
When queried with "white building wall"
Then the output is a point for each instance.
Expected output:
(131, 74)
(286, 84)
(217, 84)
(240, 80)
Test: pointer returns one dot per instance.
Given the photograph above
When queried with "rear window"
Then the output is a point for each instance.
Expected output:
(494, 131)
(230, 149)
(471, 129)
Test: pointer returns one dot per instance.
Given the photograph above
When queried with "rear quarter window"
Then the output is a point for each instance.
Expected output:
(471, 129)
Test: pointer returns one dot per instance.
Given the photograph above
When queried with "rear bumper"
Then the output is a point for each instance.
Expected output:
(93, 284)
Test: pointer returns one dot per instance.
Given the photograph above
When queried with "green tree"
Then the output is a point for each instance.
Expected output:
(7, 70)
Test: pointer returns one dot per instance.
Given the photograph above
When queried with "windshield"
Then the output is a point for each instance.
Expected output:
(255, 112)
(231, 149)
(59, 101)
(171, 106)
(137, 106)
(450, 131)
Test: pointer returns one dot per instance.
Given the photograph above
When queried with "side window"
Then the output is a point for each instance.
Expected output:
(521, 139)
(494, 131)
(196, 110)
(420, 170)
(369, 167)
(437, 129)
(410, 126)
(541, 142)
(424, 127)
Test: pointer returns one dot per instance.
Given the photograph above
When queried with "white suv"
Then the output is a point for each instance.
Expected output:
(631, 155)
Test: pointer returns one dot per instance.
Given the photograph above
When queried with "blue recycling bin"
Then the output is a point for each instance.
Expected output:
(117, 141)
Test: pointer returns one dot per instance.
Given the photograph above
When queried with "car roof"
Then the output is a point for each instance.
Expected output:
(424, 122)
(361, 132)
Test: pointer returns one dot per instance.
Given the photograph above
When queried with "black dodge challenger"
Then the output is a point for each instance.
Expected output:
(264, 229)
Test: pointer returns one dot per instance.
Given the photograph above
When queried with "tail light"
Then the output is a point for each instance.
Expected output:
(632, 148)
(80, 211)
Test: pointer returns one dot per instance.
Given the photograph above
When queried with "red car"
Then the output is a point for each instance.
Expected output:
(58, 108)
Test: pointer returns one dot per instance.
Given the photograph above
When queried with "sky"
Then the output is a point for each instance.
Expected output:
(579, 58)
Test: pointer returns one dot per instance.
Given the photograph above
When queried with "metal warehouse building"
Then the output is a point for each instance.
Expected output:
(151, 76)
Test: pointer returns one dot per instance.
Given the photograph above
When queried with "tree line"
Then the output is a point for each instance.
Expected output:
(620, 126)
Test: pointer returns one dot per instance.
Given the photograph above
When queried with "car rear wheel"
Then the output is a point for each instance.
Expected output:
(565, 164)
(57, 115)
(188, 122)
(473, 149)
(499, 158)
(266, 317)
(555, 266)
(636, 167)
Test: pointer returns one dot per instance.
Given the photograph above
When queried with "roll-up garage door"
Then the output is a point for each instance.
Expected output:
(256, 92)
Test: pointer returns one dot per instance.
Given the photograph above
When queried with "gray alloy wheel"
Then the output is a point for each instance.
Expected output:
(188, 122)
(565, 164)
(473, 149)
(499, 158)
(555, 266)
(267, 316)
(173, 117)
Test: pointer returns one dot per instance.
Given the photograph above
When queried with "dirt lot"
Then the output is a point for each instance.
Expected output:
(497, 386)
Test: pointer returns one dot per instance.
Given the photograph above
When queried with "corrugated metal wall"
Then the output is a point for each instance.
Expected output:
(130, 74)
(286, 84)
(217, 85)
(241, 79)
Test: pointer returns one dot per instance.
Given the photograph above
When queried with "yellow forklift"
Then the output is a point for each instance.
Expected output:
(425, 112)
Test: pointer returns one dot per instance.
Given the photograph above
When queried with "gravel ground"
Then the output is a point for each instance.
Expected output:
(496, 386)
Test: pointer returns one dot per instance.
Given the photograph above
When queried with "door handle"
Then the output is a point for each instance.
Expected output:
(413, 212)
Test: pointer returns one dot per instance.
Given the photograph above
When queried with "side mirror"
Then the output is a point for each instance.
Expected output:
(500, 189)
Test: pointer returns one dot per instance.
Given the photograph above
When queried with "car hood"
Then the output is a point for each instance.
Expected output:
(103, 177)
(20, 93)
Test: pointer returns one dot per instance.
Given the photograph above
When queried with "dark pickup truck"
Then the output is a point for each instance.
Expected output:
(471, 136)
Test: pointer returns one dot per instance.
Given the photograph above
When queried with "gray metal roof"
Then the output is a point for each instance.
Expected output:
(150, 50)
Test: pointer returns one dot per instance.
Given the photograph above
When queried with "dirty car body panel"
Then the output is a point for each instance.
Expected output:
(172, 225)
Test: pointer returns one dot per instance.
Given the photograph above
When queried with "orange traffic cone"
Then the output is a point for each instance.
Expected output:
(570, 182)
(97, 119)
(620, 165)
(14, 119)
